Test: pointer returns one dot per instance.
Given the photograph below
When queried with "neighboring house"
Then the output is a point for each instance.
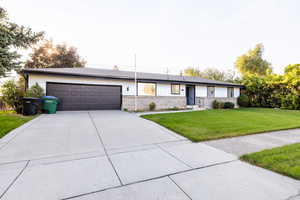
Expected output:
(92, 89)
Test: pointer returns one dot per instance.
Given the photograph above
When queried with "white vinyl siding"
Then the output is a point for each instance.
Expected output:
(164, 89)
(201, 91)
(128, 87)
(221, 92)
(236, 92)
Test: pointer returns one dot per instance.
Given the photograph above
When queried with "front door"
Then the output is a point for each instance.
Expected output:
(190, 94)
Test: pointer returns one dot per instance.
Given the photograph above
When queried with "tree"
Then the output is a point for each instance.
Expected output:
(218, 75)
(35, 91)
(211, 73)
(274, 90)
(292, 67)
(253, 63)
(13, 36)
(48, 55)
(190, 71)
(292, 78)
(12, 95)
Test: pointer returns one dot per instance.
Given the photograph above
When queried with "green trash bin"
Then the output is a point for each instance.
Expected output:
(50, 104)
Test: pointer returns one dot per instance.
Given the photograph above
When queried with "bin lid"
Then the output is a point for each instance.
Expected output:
(49, 97)
(30, 98)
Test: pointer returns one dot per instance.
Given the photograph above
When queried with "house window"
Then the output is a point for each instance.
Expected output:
(146, 89)
(210, 91)
(175, 88)
(230, 92)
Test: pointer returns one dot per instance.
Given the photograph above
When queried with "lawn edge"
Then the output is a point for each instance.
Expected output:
(245, 158)
(14, 132)
(30, 118)
(222, 137)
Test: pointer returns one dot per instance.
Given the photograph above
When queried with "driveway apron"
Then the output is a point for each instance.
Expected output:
(125, 130)
(53, 135)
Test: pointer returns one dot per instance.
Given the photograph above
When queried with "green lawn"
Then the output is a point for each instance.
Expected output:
(284, 160)
(214, 124)
(10, 121)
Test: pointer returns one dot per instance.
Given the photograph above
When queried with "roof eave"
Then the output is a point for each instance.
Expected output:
(127, 78)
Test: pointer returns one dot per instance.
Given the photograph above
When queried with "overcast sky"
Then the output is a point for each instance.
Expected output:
(166, 33)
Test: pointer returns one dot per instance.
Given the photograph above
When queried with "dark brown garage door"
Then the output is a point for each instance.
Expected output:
(85, 97)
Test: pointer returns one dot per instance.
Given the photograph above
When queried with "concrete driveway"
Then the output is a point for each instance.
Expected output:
(117, 155)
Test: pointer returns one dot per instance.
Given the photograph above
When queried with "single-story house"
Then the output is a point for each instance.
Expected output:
(94, 89)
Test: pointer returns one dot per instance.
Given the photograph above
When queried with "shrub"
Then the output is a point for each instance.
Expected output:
(12, 95)
(243, 100)
(221, 105)
(35, 91)
(290, 101)
(228, 105)
(217, 104)
(152, 106)
(273, 90)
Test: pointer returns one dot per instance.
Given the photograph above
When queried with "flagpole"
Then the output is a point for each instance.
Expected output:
(135, 83)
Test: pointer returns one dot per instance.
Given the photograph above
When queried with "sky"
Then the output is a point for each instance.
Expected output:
(166, 35)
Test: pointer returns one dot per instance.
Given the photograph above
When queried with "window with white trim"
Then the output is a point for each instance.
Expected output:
(175, 88)
(146, 89)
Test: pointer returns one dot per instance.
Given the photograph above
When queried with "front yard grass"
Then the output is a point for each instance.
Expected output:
(9, 121)
(284, 160)
(215, 124)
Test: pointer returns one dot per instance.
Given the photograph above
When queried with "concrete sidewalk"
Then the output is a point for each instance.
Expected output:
(113, 155)
(257, 142)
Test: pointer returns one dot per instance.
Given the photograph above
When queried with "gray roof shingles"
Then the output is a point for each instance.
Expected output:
(118, 74)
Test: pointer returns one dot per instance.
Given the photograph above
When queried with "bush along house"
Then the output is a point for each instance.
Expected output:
(100, 89)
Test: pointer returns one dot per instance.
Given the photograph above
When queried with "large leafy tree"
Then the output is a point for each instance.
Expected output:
(211, 73)
(291, 68)
(292, 78)
(219, 75)
(48, 55)
(191, 71)
(274, 90)
(13, 37)
(253, 63)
